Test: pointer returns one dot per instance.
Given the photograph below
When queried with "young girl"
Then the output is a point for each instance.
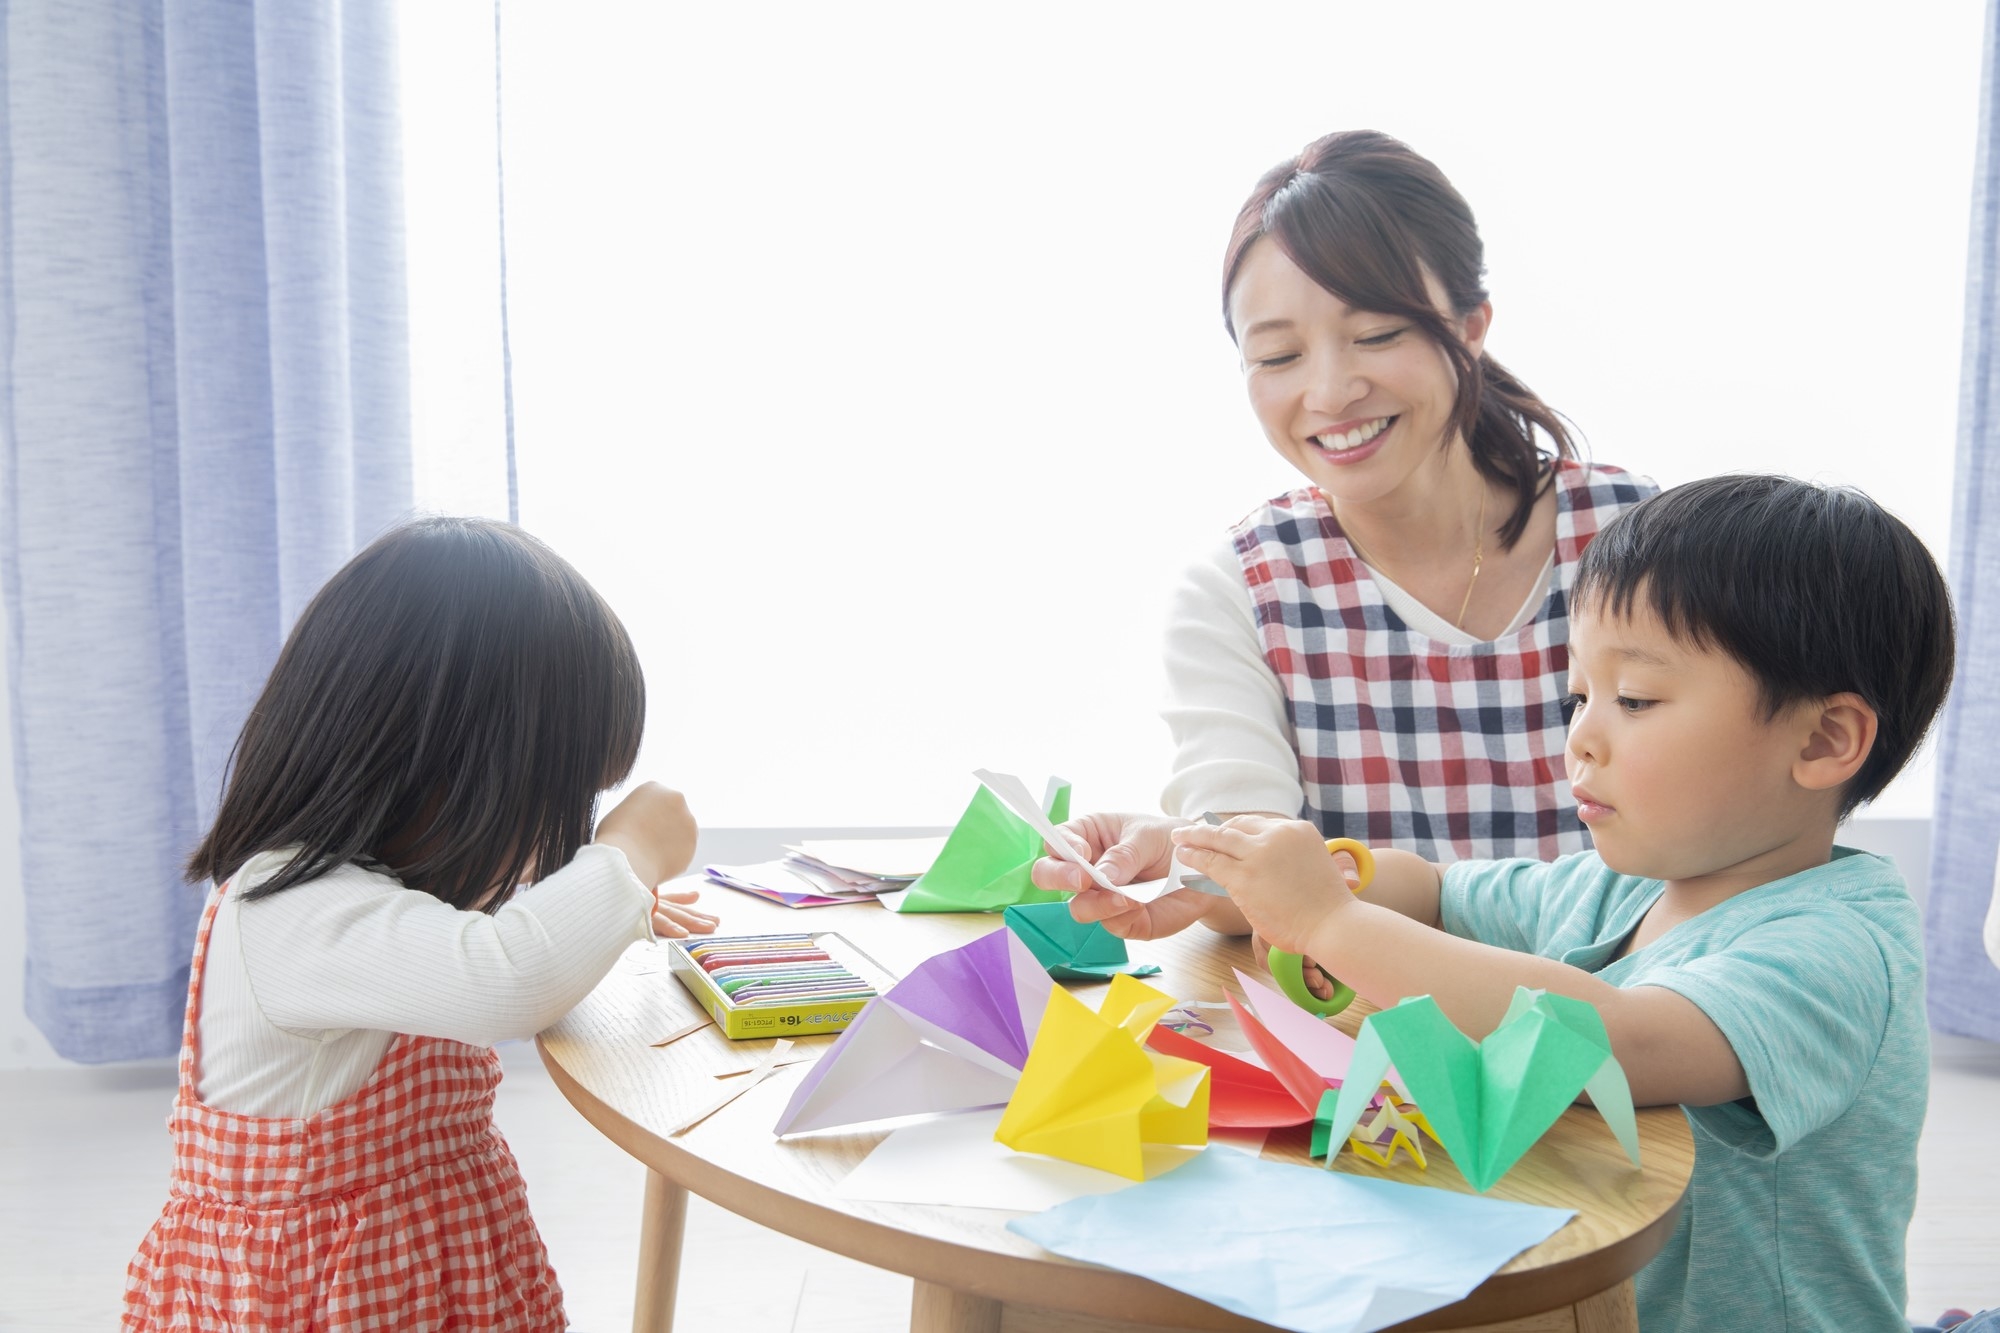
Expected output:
(434, 734)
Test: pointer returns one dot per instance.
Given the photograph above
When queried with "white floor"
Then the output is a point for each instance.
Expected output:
(84, 1156)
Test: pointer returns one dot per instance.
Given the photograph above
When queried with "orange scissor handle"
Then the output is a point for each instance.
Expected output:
(1290, 968)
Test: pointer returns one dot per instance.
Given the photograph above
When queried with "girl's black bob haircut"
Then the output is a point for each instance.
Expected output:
(447, 708)
(1815, 590)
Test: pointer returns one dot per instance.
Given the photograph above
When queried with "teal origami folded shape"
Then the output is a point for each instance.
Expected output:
(1072, 950)
(1486, 1102)
(986, 861)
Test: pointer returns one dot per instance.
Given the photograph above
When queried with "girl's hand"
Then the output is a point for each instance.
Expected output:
(673, 919)
(653, 828)
(1276, 870)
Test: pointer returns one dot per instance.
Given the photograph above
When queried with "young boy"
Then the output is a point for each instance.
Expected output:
(1750, 659)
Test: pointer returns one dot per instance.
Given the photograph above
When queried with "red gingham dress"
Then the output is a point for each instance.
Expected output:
(399, 1207)
(1449, 751)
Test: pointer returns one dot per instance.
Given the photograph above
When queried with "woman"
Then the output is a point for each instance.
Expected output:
(1384, 651)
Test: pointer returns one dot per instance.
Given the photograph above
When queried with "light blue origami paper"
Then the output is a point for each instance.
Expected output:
(1310, 1250)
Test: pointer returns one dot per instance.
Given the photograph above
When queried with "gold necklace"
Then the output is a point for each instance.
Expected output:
(1478, 556)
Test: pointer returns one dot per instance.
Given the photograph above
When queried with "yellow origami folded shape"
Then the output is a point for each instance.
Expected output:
(1093, 1094)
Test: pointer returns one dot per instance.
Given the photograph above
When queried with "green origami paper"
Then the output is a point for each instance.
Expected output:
(985, 864)
(1072, 950)
(1486, 1102)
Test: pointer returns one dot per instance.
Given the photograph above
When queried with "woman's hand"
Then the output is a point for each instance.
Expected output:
(654, 829)
(1129, 848)
(674, 919)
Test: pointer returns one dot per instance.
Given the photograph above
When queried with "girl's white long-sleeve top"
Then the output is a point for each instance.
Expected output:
(304, 990)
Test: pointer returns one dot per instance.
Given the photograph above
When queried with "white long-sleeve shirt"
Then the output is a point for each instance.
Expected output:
(1233, 748)
(303, 991)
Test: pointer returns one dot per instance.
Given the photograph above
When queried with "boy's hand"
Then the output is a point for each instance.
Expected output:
(1276, 870)
(654, 829)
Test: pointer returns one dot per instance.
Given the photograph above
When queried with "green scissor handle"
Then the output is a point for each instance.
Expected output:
(1290, 968)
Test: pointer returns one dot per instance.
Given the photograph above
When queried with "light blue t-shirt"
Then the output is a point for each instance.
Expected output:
(1796, 1215)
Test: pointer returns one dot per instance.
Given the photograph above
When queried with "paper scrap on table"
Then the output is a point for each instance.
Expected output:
(773, 1058)
(953, 1034)
(1072, 950)
(685, 1030)
(1309, 1250)
(1489, 1101)
(1092, 1093)
(954, 1160)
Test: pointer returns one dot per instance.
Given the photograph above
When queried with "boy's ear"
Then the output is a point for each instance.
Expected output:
(1840, 731)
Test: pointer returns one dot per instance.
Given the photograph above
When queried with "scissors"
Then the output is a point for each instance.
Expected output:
(1289, 969)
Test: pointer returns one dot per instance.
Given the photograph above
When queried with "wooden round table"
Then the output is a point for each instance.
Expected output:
(971, 1272)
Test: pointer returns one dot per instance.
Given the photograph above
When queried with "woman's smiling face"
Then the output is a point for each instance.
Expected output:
(1356, 401)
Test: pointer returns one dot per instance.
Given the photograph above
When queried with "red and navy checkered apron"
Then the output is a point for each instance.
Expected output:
(399, 1207)
(1451, 752)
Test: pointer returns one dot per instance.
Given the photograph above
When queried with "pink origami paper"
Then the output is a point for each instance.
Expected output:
(1303, 1056)
(952, 1035)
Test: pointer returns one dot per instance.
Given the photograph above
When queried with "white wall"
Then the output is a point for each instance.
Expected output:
(869, 359)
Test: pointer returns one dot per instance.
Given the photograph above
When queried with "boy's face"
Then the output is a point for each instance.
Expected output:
(1676, 769)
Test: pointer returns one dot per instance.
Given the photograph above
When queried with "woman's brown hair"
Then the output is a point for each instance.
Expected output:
(1365, 217)
(447, 708)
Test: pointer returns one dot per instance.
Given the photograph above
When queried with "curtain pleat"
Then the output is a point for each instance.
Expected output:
(205, 406)
(1964, 982)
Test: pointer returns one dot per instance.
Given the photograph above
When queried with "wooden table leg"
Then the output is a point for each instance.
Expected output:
(935, 1309)
(1615, 1310)
(660, 1229)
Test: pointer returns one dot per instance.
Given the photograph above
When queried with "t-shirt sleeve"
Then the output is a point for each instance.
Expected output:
(1804, 1001)
(357, 950)
(1225, 708)
(1496, 902)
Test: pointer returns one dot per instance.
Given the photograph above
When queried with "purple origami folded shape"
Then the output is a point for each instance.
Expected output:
(951, 1036)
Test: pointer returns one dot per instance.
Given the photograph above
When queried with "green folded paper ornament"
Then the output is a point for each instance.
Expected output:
(986, 861)
(1072, 950)
(1487, 1102)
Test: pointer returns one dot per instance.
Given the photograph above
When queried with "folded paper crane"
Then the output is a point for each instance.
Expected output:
(1303, 1057)
(1093, 1094)
(1072, 950)
(952, 1035)
(1487, 1102)
(985, 863)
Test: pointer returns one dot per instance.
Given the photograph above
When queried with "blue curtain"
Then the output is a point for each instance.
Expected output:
(1965, 836)
(204, 410)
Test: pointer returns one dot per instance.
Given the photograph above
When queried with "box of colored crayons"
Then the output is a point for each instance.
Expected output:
(791, 985)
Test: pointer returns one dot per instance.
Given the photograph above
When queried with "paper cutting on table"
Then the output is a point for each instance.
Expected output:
(1072, 950)
(872, 858)
(988, 858)
(1488, 1102)
(952, 1035)
(1092, 1093)
(1304, 1249)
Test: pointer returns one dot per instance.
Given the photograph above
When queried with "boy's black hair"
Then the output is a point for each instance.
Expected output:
(1816, 590)
(447, 708)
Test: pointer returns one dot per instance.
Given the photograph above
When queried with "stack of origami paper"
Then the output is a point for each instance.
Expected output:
(1072, 950)
(1093, 1094)
(952, 1035)
(1487, 1102)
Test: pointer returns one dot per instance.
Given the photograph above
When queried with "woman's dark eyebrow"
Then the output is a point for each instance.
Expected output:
(1266, 326)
